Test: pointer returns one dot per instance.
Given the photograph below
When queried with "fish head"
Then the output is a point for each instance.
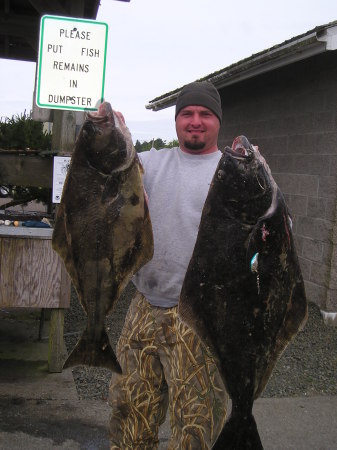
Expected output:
(106, 141)
(245, 180)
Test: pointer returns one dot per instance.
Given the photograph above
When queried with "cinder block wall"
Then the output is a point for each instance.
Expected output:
(291, 114)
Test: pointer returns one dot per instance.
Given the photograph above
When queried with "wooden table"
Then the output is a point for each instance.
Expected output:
(32, 275)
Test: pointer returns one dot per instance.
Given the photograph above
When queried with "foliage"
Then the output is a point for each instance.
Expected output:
(21, 195)
(21, 132)
(155, 143)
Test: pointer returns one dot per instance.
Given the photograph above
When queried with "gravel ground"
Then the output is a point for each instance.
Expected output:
(308, 367)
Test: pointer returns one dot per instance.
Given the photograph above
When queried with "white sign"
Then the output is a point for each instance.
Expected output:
(60, 169)
(71, 67)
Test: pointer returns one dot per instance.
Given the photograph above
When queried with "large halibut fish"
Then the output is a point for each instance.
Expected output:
(102, 230)
(243, 292)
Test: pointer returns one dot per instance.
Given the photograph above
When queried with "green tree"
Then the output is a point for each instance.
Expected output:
(21, 132)
(157, 143)
(174, 143)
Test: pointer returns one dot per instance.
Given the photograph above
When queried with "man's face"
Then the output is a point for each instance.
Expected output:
(197, 129)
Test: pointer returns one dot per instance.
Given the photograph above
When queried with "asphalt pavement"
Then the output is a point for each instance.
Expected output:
(41, 410)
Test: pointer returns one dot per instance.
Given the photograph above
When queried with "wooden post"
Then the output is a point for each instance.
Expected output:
(56, 350)
(64, 130)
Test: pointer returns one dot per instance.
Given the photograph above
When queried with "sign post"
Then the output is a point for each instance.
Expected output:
(71, 66)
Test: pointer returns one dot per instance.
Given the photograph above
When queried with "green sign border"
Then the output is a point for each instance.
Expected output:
(69, 19)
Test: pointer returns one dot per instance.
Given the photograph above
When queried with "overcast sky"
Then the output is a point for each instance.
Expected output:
(155, 46)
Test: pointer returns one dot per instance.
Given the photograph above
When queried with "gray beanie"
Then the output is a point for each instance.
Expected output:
(200, 93)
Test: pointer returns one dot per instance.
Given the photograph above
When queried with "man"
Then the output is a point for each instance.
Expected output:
(163, 361)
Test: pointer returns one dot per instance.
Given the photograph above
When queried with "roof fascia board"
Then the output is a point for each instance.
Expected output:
(267, 65)
(274, 58)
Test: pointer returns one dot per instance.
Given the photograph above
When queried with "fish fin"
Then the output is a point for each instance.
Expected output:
(239, 433)
(98, 354)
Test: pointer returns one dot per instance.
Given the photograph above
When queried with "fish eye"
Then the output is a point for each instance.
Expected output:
(221, 174)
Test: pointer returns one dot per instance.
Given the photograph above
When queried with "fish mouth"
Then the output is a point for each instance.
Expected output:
(244, 169)
(106, 115)
(241, 149)
(103, 114)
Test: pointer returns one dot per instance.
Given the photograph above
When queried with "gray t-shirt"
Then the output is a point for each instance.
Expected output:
(177, 184)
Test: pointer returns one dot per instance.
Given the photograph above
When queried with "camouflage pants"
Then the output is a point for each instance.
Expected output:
(163, 364)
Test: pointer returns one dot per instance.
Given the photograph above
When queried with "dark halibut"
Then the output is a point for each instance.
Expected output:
(102, 230)
(243, 292)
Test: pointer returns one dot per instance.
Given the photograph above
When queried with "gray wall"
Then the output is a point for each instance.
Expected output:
(290, 114)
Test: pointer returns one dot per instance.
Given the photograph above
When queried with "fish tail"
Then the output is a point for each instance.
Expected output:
(239, 433)
(97, 354)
